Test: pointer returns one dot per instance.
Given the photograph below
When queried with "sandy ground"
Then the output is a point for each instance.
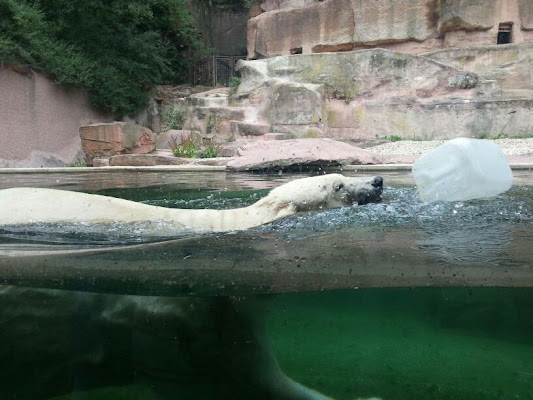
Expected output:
(509, 146)
(516, 150)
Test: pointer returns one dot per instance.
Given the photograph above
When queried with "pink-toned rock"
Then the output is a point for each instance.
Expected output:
(408, 26)
(163, 158)
(145, 160)
(101, 162)
(299, 152)
(116, 138)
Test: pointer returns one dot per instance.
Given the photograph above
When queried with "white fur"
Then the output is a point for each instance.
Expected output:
(34, 205)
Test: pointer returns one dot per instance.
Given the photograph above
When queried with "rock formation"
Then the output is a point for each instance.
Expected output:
(372, 94)
(413, 26)
(269, 155)
(109, 139)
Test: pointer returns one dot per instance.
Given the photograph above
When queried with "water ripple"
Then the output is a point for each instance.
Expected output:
(443, 224)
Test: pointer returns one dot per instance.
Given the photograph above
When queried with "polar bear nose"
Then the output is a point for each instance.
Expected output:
(377, 182)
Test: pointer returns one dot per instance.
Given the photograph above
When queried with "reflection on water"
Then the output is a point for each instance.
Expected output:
(442, 335)
(400, 242)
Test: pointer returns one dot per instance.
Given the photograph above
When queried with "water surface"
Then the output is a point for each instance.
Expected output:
(398, 300)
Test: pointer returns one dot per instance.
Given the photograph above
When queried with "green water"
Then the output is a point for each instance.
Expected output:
(410, 343)
(397, 344)
(404, 344)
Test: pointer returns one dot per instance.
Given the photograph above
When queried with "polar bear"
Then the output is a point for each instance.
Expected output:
(20, 206)
(173, 347)
(205, 347)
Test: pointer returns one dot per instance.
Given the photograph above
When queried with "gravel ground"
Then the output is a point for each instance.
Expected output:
(510, 147)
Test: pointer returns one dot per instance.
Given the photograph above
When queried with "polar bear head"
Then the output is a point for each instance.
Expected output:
(325, 191)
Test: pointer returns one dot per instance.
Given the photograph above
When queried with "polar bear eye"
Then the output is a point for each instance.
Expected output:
(339, 187)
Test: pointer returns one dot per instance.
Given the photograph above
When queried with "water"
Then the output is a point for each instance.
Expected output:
(419, 343)
(398, 300)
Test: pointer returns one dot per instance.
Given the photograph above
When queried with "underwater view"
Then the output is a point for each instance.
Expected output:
(396, 300)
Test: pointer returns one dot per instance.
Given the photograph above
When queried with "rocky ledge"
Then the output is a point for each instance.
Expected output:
(303, 154)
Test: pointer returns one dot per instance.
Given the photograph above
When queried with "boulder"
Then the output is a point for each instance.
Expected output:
(214, 122)
(286, 154)
(295, 104)
(109, 139)
(506, 68)
(145, 160)
(356, 74)
(467, 15)
(313, 27)
(410, 26)
(101, 162)
(148, 160)
(248, 129)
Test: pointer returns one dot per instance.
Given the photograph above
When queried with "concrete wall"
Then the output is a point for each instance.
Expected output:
(39, 121)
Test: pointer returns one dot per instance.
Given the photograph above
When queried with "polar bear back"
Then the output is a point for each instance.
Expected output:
(35, 205)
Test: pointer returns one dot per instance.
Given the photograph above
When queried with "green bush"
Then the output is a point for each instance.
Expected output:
(211, 151)
(394, 138)
(174, 117)
(235, 81)
(117, 50)
(186, 146)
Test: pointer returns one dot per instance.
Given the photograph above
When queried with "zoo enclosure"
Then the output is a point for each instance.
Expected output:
(216, 70)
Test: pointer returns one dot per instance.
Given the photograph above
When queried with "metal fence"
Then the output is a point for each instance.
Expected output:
(216, 70)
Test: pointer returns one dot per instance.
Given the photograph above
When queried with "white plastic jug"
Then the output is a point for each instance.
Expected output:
(462, 169)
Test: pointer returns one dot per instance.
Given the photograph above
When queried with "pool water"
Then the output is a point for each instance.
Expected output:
(408, 343)
(398, 300)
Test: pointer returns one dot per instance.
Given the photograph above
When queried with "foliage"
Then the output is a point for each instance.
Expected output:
(211, 151)
(235, 81)
(486, 135)
(78, 164)
(174, 117)
(115, 49)
(186, 146)
(234, 84)
(394, 138)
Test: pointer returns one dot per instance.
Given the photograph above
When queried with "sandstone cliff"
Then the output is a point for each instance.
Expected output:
(414, 26)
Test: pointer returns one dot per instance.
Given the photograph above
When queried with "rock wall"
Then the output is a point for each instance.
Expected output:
(412, 26)
(372, 94)
(229, 32)
(510, 67)
(526, 17)
(40, 121)
(271, 5)
(223, 28)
